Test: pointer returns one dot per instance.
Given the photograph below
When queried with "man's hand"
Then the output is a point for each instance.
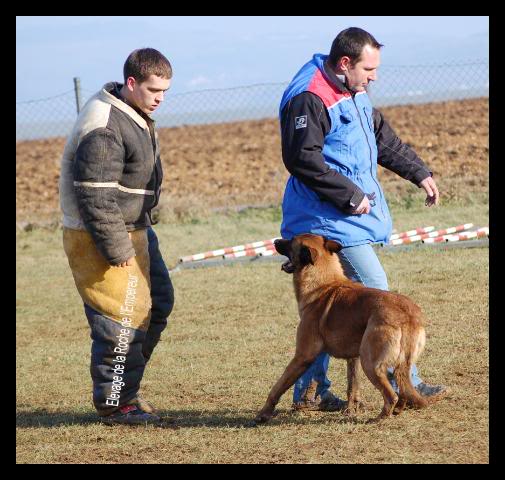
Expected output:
(128, 263)
(363, 207)
(430, 187)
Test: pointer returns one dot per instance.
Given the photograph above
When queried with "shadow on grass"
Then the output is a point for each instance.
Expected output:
(41, 417)
(177, 419)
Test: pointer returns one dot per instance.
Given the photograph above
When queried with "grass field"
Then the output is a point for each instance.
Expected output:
(229, 338)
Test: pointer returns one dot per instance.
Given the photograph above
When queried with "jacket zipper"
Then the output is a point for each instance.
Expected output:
(153, 142)
(370, 148)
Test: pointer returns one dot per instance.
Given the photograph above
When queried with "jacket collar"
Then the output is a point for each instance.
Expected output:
(107, 96)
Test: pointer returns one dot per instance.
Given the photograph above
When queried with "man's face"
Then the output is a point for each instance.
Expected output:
(363, 71)
(148, 95)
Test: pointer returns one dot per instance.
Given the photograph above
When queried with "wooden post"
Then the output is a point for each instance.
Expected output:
(77, 89)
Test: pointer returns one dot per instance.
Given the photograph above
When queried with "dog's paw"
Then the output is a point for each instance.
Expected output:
(355, 408)
(261, 418)
(350, 412)
(399, 407)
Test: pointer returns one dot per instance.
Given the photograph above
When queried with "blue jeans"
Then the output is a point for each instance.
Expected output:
(360, 263)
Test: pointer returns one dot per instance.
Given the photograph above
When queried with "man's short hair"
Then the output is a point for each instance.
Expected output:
(144, 62)
(350, 43)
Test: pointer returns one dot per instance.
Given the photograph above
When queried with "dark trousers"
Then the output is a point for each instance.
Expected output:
(116, 377)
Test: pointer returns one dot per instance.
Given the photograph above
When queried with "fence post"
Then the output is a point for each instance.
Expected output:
(77, 88)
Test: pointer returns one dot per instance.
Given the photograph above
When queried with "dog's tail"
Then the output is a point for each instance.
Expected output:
(413, 344)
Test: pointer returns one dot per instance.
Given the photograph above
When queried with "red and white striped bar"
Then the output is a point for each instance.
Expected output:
(479, 233)
(251, 252)
(436, 233)
(228, 250)
(410, 233)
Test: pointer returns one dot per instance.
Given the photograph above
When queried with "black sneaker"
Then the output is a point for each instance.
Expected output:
(130, 415)
(431, 392)
(331, 403)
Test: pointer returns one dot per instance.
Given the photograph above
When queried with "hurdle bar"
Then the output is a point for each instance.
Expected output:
(410, 233)
(251, 252)
(436, 233)
(479, 233)
(227, 251)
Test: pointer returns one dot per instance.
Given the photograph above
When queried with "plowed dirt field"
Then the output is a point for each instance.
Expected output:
(237, 164)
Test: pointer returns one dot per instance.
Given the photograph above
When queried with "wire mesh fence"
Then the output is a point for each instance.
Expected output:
(396, 85)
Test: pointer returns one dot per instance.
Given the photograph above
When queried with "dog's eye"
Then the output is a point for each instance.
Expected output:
(305, 256)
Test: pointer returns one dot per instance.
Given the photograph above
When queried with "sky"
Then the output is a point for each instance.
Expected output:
(209, 52)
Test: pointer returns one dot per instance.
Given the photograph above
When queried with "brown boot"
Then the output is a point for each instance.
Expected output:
(308, 401)
(144, 405)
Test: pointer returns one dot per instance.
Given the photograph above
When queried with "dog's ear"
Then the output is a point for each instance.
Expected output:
(332, 246)
(282, 246)
(307, 255)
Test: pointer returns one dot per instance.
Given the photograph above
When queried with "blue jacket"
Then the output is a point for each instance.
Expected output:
(349, 148)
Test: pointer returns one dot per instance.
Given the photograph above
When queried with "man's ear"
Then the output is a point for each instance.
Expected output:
(332, 246)
(344, 63)
(282, 246)
(130, 83)
(307, 255)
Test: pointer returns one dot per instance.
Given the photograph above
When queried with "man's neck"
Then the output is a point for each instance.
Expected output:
(125, 97)
(337, 76)
(341, 77)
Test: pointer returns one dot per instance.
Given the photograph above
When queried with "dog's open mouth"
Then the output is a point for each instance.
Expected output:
(288, 267)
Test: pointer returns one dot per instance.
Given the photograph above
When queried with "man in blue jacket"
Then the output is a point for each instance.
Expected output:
(332, 141)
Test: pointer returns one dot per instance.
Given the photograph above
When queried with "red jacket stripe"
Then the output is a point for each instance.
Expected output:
(328, 93)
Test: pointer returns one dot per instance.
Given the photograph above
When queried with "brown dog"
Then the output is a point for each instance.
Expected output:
(348, 320)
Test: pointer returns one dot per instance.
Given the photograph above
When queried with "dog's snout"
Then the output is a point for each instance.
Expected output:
(282, 246)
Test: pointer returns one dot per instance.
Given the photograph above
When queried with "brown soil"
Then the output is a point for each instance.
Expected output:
(235, 164)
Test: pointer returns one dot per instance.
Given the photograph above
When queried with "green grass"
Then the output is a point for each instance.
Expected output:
(229, 338)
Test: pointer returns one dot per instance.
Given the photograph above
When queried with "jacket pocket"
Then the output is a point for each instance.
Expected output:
(346, 117)
(342, 129)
